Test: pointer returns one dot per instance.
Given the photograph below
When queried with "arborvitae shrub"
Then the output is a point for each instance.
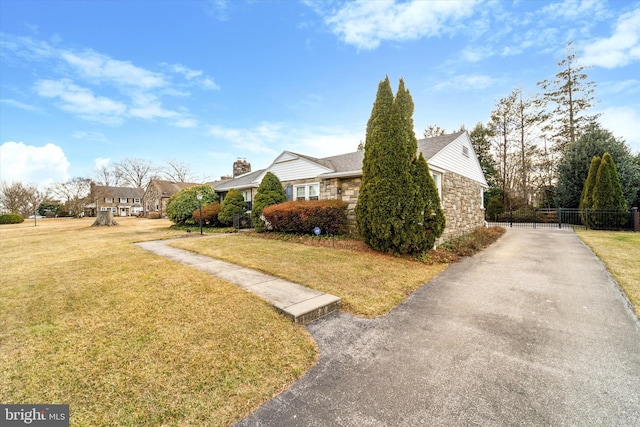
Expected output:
(269, 193)
(11, 218)
(304, 216)
(209, 215)
(233, 204)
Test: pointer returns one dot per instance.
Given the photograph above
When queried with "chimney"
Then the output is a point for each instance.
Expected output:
(240, 167)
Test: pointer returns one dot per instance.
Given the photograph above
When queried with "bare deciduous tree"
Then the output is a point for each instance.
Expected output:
(433, 130)
(135, 172)
(76, 193)
(21, 199)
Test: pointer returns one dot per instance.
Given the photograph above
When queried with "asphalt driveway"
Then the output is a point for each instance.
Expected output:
(532, 331)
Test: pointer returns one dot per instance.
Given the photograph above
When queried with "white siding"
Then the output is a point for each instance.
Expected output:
(289, 167)
(453, 158)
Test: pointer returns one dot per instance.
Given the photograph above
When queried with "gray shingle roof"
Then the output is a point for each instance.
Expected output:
(117, 192)
(344, 163)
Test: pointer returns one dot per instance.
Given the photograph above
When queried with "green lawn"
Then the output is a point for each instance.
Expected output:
(620, 252)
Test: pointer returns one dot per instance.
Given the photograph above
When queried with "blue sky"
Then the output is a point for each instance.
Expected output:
(83, 83)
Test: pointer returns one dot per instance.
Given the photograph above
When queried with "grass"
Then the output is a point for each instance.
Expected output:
(369, 283)
(128, 338)
(620, 252)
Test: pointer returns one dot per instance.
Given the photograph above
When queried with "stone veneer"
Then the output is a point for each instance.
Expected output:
(462, 205)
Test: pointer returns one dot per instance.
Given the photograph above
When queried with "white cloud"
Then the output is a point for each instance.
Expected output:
(82, 101)
(365, 24)
(623, 122)
(90, 136)
(186, 123)
(33, 165)
(465, 82)
(101, 162)
(619, 50)
(18, 104)
(272, 138)
(100, 67)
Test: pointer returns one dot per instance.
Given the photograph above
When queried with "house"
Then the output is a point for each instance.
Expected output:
(158, 193)
(452, 161)
(121, 201)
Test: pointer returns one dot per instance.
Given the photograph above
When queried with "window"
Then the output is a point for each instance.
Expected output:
(103, 209)
(307, 191)
(108, 199)
(136, 200)
(114, 210)
(123, 200)
(437, 178)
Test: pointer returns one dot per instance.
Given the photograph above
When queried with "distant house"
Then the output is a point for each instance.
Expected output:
(452, 161)
(121, 201)
(158, 193)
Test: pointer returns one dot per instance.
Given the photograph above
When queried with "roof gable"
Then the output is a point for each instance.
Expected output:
(457, 155)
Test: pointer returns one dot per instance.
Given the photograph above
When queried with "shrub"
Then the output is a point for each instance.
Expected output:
(304, 216)
(11, 218)
(153, 215)
(233, 204)
(209, 215)
(269, 193)
(181, 205)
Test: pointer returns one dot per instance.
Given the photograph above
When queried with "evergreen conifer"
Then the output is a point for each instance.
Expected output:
(233, 204)
(396, 209)
(269, 193)
(607, 192)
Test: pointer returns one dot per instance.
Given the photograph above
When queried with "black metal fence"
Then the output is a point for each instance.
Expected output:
(591, 219)
(242, 221)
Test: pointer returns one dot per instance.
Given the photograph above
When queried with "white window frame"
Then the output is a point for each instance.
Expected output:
(307, 191)
(123, 199)
(437, 178)
(114, 210)
(108, 199)
(136, 200)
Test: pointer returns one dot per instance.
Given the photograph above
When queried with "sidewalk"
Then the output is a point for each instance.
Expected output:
(300, 304)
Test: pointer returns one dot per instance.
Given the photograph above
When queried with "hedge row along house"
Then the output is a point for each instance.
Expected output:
(452, 162)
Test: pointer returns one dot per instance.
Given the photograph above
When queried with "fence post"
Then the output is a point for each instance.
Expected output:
(560, 218)
(635, 219)
(511, 218)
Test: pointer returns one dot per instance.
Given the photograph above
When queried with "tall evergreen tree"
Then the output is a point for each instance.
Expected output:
(571, 95)
(375, 196)
(430, 222)
(269, 193)
(607, 191)
(586, 199)
(392, 202)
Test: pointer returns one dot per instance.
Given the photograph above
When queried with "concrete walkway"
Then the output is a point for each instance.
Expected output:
(532, 331)
(300, 304)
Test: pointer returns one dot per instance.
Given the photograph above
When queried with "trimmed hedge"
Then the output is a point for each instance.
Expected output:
(209, 215)
(153, 215)
(304, 216)
(11, 218)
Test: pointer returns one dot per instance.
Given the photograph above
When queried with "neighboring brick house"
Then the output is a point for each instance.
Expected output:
(121, 201)
(452, 161)
(158, 192)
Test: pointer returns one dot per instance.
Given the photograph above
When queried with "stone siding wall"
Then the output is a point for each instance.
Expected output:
(462, 205)
(462, 201)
